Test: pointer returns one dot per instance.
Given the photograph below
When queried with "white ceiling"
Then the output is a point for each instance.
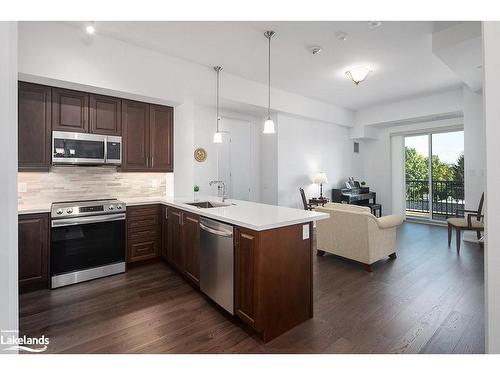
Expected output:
(400, 54)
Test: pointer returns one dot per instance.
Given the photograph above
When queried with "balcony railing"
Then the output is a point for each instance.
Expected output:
(448, 197)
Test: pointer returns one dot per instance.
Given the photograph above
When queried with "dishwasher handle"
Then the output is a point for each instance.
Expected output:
(216, 231)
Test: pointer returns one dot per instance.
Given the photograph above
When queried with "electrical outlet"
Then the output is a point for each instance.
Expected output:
(155, 183)
(305, 231)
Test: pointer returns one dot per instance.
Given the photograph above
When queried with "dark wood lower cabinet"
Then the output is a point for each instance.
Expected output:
(174, 233)
(273, 268)
(143, 232)
(273, 278)
(245, 244)
(191, 246)
(164, 233)
(33, 247)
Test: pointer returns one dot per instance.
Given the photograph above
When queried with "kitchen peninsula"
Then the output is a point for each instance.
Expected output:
(271, 273)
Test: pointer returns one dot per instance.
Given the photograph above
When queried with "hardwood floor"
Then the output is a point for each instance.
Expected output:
(428, 300)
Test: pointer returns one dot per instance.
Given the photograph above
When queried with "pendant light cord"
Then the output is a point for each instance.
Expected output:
(218, 70)
(269, 79)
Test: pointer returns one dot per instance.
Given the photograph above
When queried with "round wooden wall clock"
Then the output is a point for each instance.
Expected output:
(200, 154)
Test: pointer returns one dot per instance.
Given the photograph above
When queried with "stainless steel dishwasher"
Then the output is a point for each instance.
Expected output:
(217, 262)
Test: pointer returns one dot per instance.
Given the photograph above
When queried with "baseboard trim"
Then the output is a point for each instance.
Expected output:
(425, 221)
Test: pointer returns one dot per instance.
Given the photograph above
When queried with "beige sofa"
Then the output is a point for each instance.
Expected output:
(353, 232)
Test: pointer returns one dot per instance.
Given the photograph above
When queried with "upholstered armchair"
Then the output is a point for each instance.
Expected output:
(353, 232)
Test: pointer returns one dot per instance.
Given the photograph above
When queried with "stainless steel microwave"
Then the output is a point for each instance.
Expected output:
(83, 148)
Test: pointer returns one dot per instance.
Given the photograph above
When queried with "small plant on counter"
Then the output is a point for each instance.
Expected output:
(196, 189)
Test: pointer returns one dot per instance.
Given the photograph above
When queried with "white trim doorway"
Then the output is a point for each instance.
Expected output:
(435, 193)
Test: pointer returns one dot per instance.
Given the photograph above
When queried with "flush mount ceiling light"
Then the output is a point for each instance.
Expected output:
(374, 24)
(217, 134)
(90, 28)
(358, 74)
(269, 124)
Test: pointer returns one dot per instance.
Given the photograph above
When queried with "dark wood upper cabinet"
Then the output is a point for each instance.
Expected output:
(147, 131)
(33, 247)
(135, 133)
(161, 132)
(70, 110)
(191, 246)
(105, 115)
(34, 124)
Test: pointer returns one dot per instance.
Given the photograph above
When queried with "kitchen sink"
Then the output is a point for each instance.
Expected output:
(208, 204)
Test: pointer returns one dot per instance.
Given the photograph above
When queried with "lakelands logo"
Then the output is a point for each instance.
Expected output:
(24, 343)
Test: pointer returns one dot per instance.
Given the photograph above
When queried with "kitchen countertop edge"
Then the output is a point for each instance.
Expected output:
(180, 203)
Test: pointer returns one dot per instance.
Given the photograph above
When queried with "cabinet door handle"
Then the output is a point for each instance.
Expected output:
(147, 162)
(152, 161)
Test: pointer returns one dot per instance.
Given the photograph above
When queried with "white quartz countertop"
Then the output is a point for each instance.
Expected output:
(251, 215)
(255, 216)
(24, 209)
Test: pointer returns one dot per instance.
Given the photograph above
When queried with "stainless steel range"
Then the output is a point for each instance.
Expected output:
(87, 240)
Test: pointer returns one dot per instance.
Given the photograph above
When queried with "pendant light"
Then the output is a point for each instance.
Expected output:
(269, 124)
(217, 134)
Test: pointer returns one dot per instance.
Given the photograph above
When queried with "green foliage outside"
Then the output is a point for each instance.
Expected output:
(417, 168)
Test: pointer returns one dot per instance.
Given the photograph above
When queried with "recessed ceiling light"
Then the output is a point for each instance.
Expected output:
(90, 29)
(358, 74)
(340, 35)
(374, 24)
(315, 50)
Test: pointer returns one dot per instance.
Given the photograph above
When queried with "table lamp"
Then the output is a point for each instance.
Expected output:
(320, 179)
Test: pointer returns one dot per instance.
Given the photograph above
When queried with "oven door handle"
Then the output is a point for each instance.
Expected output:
(86, 220)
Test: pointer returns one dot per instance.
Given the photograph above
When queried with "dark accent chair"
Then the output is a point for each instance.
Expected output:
(473, 221)
(307, 206)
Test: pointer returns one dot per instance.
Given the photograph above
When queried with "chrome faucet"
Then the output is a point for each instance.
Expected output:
(219, 184)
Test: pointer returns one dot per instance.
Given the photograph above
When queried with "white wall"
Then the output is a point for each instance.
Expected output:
(183, 148)
(474, 142)
(8, 171)
(424, 107)
(474, 151)
(306, 147)
(398, 202)
(204, 128)
(491, 49)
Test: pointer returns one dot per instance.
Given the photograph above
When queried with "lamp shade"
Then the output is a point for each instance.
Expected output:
(269, 127)
(217, 137)
(320, 178)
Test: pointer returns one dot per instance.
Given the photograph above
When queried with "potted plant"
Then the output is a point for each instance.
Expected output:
(196, 189)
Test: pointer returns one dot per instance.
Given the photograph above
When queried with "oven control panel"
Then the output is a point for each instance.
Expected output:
(86, 208)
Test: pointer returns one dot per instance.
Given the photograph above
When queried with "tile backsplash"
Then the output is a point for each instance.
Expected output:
(74, 183)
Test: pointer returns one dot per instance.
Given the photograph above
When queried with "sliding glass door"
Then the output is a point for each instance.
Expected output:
(434, 174)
